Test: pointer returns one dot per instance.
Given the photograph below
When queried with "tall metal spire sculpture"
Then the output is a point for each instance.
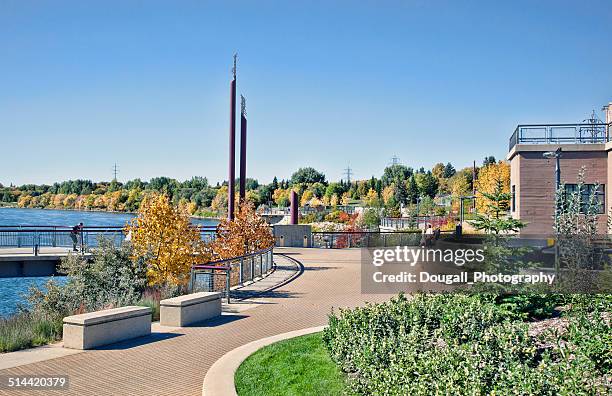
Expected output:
(243, 147)
(231, 180)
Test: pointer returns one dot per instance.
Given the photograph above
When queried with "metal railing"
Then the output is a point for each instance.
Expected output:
(36, 237)
(400, 223)
(222, 275)
(353, 239)
(305, 210)
(588, 133)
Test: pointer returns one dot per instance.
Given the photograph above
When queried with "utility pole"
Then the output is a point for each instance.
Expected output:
(394, 160)
(474, 186)
(115, 171)
(348, 172)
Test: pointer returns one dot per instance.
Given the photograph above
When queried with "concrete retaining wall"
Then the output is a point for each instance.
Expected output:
(293, 235)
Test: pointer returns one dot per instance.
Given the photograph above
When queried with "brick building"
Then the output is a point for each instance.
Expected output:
(532, 176)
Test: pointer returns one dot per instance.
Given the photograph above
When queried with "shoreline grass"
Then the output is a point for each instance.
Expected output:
(26, 330)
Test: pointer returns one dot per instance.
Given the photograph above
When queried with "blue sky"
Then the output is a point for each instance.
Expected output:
(328, 83)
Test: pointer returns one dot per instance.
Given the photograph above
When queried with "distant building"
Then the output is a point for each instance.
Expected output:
(444, 200)
(532, 177)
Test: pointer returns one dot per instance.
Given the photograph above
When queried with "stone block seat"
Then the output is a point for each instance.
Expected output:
(94, 329)
(189, 309)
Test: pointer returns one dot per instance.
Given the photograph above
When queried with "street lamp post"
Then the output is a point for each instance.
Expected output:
(557, 156)
(459, 227)
(417, 211)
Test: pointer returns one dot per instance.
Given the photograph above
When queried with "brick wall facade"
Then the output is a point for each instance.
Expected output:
(534, 179)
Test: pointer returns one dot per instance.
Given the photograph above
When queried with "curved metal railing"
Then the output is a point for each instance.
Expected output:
(222, 275)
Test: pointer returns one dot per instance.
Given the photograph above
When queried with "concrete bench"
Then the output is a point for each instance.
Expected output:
(189, 309)
(105, 327)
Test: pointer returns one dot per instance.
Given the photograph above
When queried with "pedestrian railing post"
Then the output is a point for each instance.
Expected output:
(240, 268)
(35, 243)
(260, 265)
(252, 268)
(227, 283)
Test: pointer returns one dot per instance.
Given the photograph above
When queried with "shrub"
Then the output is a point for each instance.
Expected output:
(338, 216)
(468, 344)
(109, 279)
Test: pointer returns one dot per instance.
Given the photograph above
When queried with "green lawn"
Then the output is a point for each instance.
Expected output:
(299, 366)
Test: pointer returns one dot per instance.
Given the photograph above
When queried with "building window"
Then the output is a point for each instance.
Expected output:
(513, 198)
(585, 195)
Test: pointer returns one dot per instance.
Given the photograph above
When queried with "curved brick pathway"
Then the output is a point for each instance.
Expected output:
(175, 363)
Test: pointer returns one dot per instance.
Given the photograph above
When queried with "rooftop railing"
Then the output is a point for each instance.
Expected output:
(590, 133)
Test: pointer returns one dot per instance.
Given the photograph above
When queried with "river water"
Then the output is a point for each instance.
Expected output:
(12, 290)
(48, 217)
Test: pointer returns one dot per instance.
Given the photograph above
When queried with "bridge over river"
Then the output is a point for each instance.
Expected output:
(36, 250)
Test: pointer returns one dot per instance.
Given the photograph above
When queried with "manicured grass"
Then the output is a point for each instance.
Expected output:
(299, 366)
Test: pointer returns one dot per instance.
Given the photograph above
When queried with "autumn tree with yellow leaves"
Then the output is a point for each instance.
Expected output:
(491, 178)
(164, 235)
(247, 233)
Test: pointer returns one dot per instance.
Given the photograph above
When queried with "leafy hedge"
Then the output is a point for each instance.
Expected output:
(472, 344)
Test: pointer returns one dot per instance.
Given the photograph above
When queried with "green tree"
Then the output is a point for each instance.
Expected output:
(334, 188)
(488, 160)
(395, 172)
(496, 219)
(400, 192)
(307, 175)
(412, 192)
(427, 183)
(449, 171)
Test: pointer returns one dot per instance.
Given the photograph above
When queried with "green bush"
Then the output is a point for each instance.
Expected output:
(470, 344)
(110, 279)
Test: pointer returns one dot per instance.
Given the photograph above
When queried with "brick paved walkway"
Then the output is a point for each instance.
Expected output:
(175, 363)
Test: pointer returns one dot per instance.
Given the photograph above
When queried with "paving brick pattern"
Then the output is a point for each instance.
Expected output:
(175, 363)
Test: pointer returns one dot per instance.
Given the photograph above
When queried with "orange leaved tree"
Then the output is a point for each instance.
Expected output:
(164, 235)
(247, 233)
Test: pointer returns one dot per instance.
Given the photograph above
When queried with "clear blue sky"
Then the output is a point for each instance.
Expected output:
(328, 83)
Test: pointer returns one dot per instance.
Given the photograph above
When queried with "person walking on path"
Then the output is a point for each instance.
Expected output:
(74, 235)
(427, 236)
